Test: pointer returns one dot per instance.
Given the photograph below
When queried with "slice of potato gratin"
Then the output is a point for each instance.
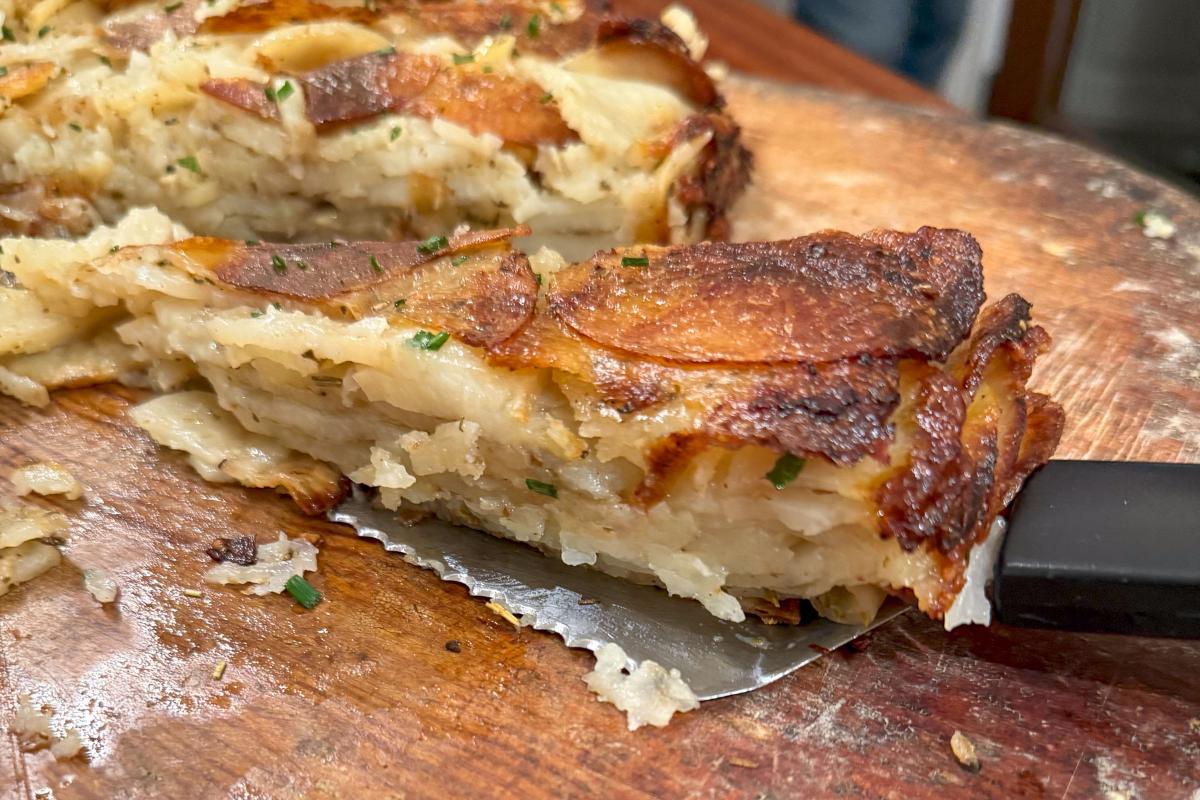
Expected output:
(296, 119)
(829, 418)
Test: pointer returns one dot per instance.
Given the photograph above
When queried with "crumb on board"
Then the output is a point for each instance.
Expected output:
(1194, 724)
(649, 695)
(192, 593)
(219, 670)
(31, 726)
(454, 646)
(1155, 224)
(503, 612)
(101, 585)
(46, 478)
(964, 751)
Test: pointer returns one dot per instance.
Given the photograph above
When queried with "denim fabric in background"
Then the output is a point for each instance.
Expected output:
(912, 37)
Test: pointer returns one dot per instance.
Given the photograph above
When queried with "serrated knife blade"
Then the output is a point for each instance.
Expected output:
(716, 658)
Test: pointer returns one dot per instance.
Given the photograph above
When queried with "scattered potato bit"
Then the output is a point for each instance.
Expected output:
(46, 478)
(964, 750)
(501, 611)
(31, 726)
(192, 593)
(649, 695)
(1194, 725)
(218, 671)
(1156, 225)
(100, 585)
(276, 563)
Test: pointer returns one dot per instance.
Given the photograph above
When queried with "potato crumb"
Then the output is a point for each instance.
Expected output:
(1156, 225)
(192, 593)
(649, 695)
(100, 585)
(46, 478)
(501, 611)
(964, 751)
(218, 671)
(31, 726)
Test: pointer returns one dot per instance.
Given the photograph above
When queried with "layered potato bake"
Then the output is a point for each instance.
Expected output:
(393, 119)
(831, 419)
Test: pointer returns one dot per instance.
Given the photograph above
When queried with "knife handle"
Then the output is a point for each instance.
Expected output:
(1107, 547)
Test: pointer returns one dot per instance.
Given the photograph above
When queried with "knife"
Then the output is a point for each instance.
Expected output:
(1090, 546)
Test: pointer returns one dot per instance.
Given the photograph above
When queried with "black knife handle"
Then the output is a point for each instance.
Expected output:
(1110, 547)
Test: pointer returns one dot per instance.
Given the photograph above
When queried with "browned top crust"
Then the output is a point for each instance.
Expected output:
(360, 88)
(246, 94)
(818, 298)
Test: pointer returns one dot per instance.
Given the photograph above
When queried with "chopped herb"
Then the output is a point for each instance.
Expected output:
(546, 98)
(256, 314)
(548, 489)
(327, 380)
(1139, 218)
(114, 248)
(375, 264)
(42, 31)
(537, 276)
(218, 671)
(74, 126)
(505, 22)
(635, 261)
(432, 245)
(104, 60)
(430, 341)
(172, 7)
(301, 265)
(252, 242)
(458, 260)
(279, 264)
(7, 34)
(189, 163)
(386, 51)
(466, 58)
(535, 26)
(786, 468)
(454, 646)
(305, 593)
(3, 71)
(400, 303)
(276, 306)
(395, 134)
(284, 92)
(487, 68)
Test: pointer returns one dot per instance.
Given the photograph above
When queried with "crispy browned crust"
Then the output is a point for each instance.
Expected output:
(242, 93)
(262, 16)
(364, 87)
(475, 287)
(819, 298)
(723, 174)
(822, 346)
(25, 80)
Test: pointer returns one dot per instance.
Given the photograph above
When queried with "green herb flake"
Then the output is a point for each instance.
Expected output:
(3, 71)
(301, 265)
(548, 489)
(386, 51)
(7, 34)
(487, 68)
(172, 7)
(256, 314)
(1139, 218)
(534, 28)
(394, 134)
(375, 264)
(432, 245)
(304, 592)
(74, 126)
(635, 261)
(458, 261)
(546, 98)
(252, 242)
(114, 248)
(466, 58)
(269, 92)
(786, 468)
(105, 61)
(276, 306)
(42, 31)
(430, 341)
(537, 276)
(400, 303)
(284, 92)
(189, 163)
(279, 265)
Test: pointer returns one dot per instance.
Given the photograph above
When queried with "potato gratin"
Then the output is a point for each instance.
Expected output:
(296, 119)
(831, 418)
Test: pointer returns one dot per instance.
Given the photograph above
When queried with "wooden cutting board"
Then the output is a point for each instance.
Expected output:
(361, 698)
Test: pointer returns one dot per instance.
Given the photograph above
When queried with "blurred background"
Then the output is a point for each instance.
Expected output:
(1123, 75)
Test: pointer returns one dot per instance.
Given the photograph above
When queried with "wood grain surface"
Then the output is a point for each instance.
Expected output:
(360, 697)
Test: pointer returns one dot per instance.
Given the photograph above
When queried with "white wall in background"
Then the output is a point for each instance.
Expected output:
(967, 81)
